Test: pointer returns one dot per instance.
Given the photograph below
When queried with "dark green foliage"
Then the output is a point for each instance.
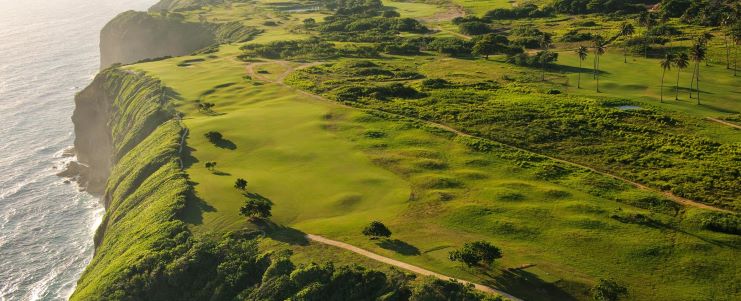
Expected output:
(708, 13)
(477, 252)
(524, 59)
(435, 83)
(376, 229)
(675, 8)
(600, 6)
(474, 28)
(528, 36)
(608, 290)
(381, 92)
(256, 208)
(520, 12)
(451, 46)
(721, 222)
(433, 289)
(214, 137)
(240, 184)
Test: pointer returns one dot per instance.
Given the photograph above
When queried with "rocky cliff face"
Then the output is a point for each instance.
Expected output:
(112, 115)
(93, 142)
(133, 36)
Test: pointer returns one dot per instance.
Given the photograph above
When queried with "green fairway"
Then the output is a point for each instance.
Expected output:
(282, 149)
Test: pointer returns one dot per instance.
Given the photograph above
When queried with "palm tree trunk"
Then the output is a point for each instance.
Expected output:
(594, 68)
(662, 86)
(578, 81)
(596, 73)
(697, 84)
(692, 81)
(625, 54)
(676, 88)
(728, 51)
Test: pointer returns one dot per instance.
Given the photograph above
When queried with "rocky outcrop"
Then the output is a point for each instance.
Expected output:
(133, 36)
(116, 111)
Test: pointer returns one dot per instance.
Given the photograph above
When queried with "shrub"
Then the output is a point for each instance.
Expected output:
(376, 229)
(435, 83)
(477, 252)
(608, 290)
(474, 28)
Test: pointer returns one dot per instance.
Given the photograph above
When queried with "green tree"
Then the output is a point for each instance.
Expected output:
(666, 64)
(477, 252)
(626, 31)
(489, 44)
(681, 61)
(608, 290)
(376, 229)
(256, 208)
(582, 52)
(210, 165)
(213, 136)
(240, 184)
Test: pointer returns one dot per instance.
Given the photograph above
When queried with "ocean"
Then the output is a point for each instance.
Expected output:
(48, 52)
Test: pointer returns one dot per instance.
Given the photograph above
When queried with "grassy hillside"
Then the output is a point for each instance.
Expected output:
(390, 119)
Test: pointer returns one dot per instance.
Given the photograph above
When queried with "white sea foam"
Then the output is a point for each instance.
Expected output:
(47, 48)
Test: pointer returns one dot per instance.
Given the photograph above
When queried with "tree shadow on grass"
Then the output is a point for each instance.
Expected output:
(399, 246)
(220, 173)
(225, 143)
(528, 286)
(194, 208)
(281, 233)
(575, 69)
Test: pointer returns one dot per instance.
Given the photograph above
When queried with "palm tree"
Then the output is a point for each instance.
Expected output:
(725, 23)
(666, 64)
(646, 19)
(697, 54)
(545, 44)
(582, 52)
(600, 46)
(704, 39)
(681, 61)
(626, 30)
(736, 35)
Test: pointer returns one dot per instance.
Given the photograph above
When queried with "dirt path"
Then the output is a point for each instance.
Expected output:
(403, 265)
(723, 122)
(671, 196)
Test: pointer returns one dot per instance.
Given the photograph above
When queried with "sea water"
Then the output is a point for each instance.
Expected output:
(48, 51)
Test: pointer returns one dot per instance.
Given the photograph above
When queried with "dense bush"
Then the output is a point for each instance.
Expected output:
(722, 222)
(451, 46)
(521, 12)
(600, 6)
(474, 28)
